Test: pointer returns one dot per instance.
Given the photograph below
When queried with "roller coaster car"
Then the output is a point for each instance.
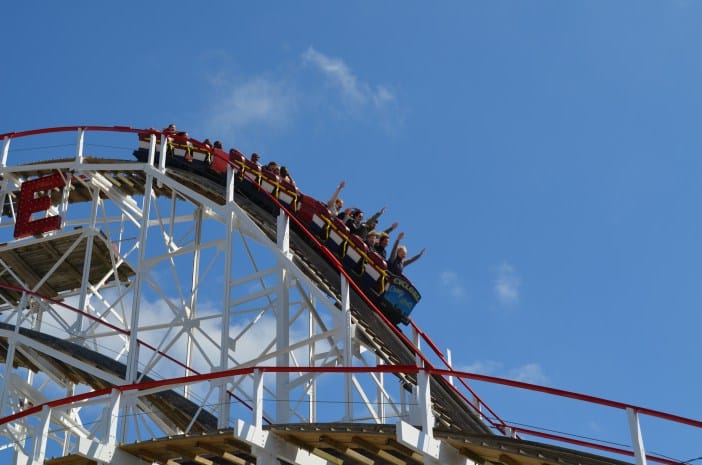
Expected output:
(396, 296)
(399, 299)
(180, 151)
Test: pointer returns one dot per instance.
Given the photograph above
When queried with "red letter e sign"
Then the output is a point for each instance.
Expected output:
(29, 204)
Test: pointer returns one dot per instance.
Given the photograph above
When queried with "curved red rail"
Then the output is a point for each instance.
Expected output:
(427, 365)
(395, 369)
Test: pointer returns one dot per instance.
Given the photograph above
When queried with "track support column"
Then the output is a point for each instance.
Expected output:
(79, 146)
(41, 436)
(282, 387)
(5, 150)
(348, 347)
(133, 355)
(224, 411)
(636, 438)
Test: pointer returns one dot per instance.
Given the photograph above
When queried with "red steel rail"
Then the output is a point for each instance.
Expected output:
(428, 367)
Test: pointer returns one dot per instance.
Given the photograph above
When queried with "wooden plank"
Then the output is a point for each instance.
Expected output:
(376, 450)
(353, 455)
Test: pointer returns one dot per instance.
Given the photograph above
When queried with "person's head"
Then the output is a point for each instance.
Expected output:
(218, 144)
(401, 252)
(339, 204)
(255, 157)
(357, 216)
(384, 239)
(273, 167)
(284, 171)
(372, 238)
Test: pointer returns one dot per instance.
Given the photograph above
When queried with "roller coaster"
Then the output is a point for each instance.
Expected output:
(162, 301)
(394, 294)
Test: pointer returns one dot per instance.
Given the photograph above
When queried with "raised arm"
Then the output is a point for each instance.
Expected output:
(341, 185)
(392, 227)
(374, 218)
(345, 215)
(393, 254)
(409, 261)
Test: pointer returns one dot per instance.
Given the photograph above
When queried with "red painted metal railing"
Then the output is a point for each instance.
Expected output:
(154, 386)
(428, 367)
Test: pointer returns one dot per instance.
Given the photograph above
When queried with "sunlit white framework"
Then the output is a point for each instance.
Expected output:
(199, 296)
(211, 291)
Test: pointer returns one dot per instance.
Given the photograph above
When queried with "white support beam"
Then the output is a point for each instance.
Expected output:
(311, 361)
(380, 391)
(266, 444)
(258, 399)
(5, 150)
(435, 452)
(20, 458)
(283, 234)
(162, 157)
(104, 450)
(113, 410)
(283, 323)
(139, 282)
(79, 146)
(426, 415)
(152, 149)
(191, 309)
(636, 437)
(348, 347)
(224, 411)
(87, 258)
(41, 436)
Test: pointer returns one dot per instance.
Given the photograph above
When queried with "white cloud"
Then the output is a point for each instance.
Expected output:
(257, 101)
(529, 373)
(245, 106)
(483, 367)
(338, 73)
(507, 284)
(451, 284)
(355, 92)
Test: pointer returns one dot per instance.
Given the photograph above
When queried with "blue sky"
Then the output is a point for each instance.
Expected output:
(546, 153)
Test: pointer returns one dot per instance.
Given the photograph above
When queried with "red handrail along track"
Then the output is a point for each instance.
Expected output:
(423, 362)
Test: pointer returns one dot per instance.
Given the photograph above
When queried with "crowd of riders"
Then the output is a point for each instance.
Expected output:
(376, 240)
